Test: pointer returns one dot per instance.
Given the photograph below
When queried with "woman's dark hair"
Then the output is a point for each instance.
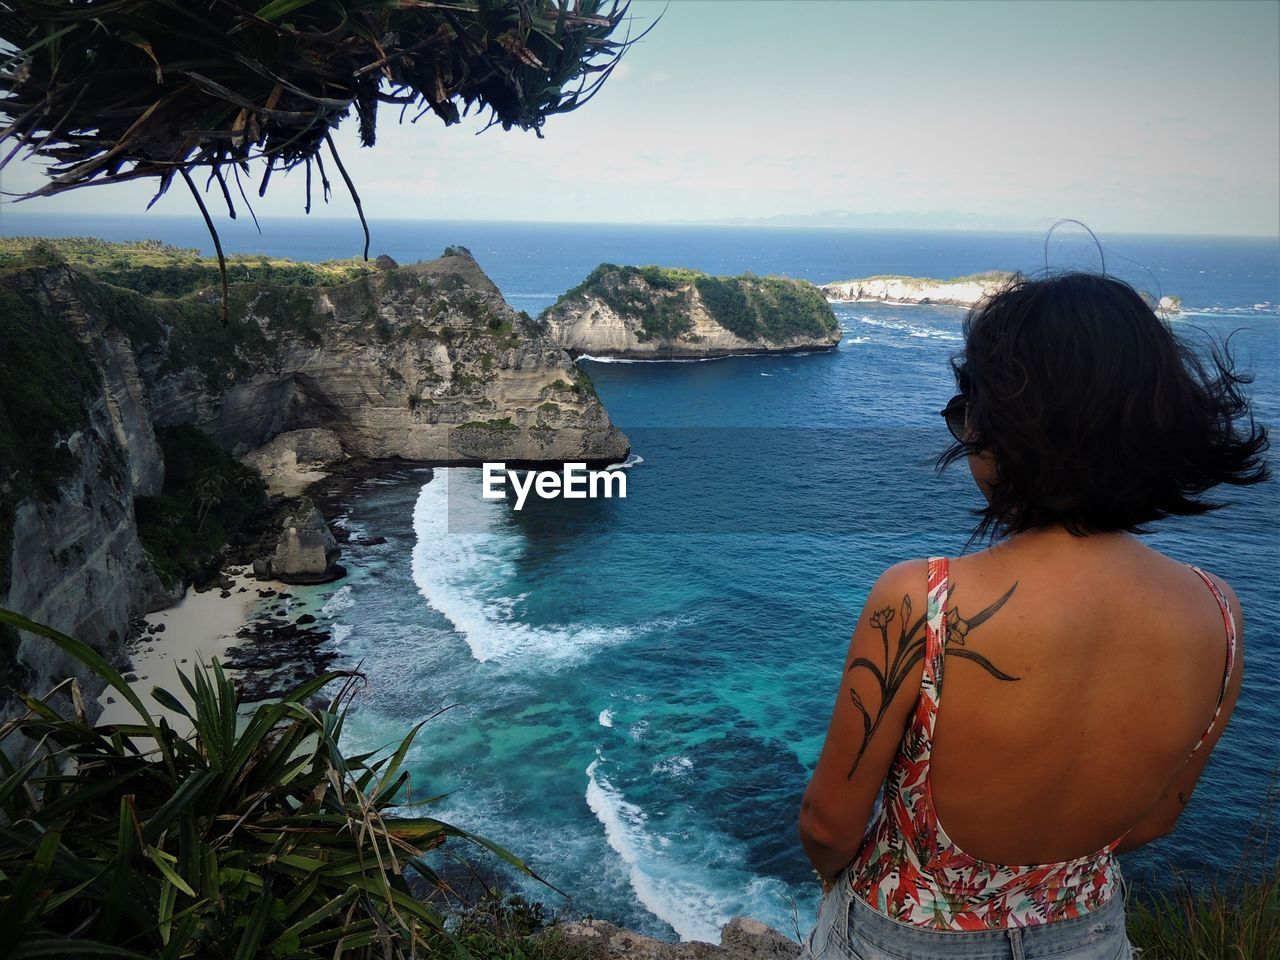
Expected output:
(1097, 416)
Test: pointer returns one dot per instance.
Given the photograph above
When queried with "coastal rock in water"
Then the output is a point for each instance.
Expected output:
(741, 939)
(654, 313)
(960, 292)
(306, 551)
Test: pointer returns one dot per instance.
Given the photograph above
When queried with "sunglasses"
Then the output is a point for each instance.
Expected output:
(954, 415)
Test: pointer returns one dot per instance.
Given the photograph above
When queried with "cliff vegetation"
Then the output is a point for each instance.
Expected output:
(207, 497)
(156, 268)
(651, 310)
(256, 836)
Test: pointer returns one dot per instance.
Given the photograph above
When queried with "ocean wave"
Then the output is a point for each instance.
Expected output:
(676, 766)
(606, 718)
(341, 631)
(594, 359)
(466, 577)
(342, 600)
(912, 329)
(1264, 309)
(633, 460)
(678, 883)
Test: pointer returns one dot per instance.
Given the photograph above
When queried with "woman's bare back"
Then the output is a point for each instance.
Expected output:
(1119, 655)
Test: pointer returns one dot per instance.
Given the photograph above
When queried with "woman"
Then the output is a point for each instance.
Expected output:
(1087, 676)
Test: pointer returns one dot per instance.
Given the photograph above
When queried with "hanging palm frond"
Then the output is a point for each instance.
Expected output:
(116, 90)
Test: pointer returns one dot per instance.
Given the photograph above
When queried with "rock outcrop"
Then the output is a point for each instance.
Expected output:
(653, 313)
(305, 553)
(741, 939)
(424, 362)
(961, 292)
(293, 460)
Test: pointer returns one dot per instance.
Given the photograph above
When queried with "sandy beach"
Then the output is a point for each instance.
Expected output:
(197, 630)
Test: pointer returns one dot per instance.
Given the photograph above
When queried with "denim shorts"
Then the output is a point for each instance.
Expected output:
(849, 929)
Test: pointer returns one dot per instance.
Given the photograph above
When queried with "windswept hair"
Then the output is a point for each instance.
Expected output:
(1097, 415)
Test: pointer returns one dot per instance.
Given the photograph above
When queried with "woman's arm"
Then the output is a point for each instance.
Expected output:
(879, 686)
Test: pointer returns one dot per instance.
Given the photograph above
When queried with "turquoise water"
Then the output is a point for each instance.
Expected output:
(637, 689)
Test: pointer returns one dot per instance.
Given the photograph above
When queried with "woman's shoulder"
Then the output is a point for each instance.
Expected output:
(904, 577)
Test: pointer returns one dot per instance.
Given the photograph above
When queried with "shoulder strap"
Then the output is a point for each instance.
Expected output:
(1229, 624)
(934, 644)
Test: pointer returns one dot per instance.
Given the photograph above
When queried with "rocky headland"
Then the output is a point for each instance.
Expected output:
(958, 292)
(315, 367)
(657, 313)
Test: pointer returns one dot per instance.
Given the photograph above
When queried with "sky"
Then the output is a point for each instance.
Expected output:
(1146, 117)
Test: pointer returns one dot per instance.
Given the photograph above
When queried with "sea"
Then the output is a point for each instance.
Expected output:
(630, 694)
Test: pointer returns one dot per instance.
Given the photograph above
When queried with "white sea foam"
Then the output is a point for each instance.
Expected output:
(677, 766)
(638, 729)
(685, 905)
(606, 718)
(676, 882)
(341, 631)
(594, 359)
(342, 600)
(465, 574)
(633, 460)
(911, 329)
(1227, 312)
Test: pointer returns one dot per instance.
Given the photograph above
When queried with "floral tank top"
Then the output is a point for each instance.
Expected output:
(909, 869)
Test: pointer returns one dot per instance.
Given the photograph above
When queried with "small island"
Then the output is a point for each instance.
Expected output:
(662, 313)
(957, 292)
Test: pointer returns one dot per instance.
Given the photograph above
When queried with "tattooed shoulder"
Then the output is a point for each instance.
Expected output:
(897, 657)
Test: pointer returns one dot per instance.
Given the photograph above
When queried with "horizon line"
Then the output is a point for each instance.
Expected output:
(742, 223)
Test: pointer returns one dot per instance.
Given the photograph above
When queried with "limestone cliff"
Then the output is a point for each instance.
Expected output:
(960, 292)
(425, 362)
(654, 313)
(71, 557)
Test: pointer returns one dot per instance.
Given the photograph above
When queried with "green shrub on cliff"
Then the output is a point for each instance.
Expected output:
(157, 269)
(207, 498)
(790, 308)
(255, 836)
(728, 305)
(659, 299)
